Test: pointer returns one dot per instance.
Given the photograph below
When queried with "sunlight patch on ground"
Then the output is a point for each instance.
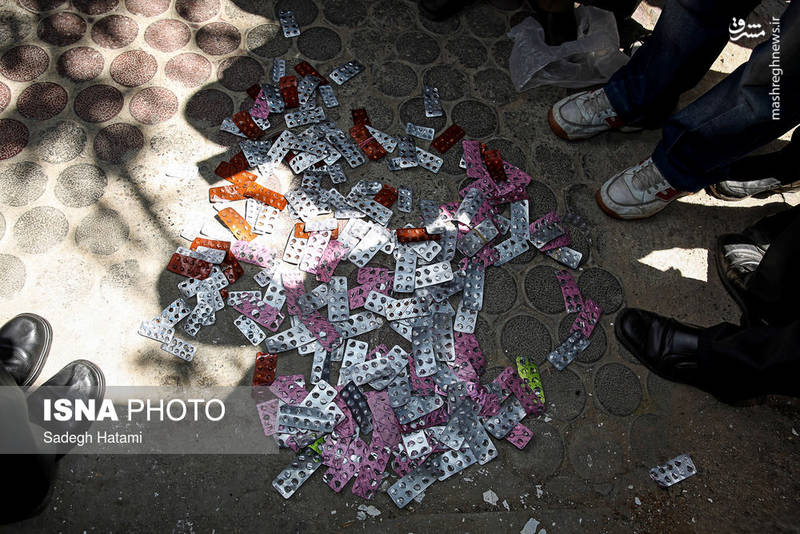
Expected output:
(690, 262)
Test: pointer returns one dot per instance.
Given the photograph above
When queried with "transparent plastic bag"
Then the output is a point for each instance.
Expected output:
(589, 60)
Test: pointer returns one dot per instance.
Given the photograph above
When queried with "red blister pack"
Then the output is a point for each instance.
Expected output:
(225, 192)
(264, 371)
(494, 164)
(415, 235)
(304, 68)
(288, 86)
(360, 117)
(188, 266)
(267, 196)
(247, 125)
(452, 135)
(368, 144)
(387, 196)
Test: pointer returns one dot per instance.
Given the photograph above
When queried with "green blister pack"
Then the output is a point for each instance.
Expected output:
(529, 374)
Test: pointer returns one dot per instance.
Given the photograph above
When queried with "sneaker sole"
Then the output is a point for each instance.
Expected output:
(714, 192)
(557, 129)
(734, 294)
(611, 213)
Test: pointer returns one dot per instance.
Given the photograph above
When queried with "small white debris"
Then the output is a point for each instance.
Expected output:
(539, 491)
(530, 527)
(794, 432)
(506, 506)
(630, 486)
(637, 501)
(709, 500)
(333, 512)
(370, 510)
(490, 497)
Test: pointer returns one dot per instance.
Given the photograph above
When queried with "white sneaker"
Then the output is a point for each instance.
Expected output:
(637, 192)
(584, 115)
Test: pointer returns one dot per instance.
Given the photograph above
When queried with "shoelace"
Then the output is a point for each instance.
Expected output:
(646, 178)
(596, 103)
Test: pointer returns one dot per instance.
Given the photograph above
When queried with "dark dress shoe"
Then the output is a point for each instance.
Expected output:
(24, 346)
(78, 380)
(737, 258)
(667, 347)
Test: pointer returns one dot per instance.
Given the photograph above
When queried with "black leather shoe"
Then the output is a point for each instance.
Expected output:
(24, 346)
(78, 380)
(667, 347)
(737, 258)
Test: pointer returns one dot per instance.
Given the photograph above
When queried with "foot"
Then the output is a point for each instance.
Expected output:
(584, 115)
(24, 346)
(638, 192)
(667, 347)
(737, 258)
(80, 380)
(735, 190)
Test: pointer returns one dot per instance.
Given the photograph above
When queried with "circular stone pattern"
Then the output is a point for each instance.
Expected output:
(650, 440)
(267, 40)
(239, 73)
(147, 8)
(601, 287)
(118, 142)
(598, 338)
(500, 291)
(62, 142)
(22, 183)
(218, 38)
(12, 275)
(543, 455)
(115, 31)
(319, 44)
(618, 389)
(39, 6)
(197, 10)
(61, 29)
(38, 229)
(42, 101)
(545, 199)
(417, 47)
(413, 110)
(451, 82)
(13, 138)
(189, 69)
(494, 86)
(153, 105)
(5, 96)
(133, 68)
(595, 453)
(98, 103)
(95, 7)
(469, 51)
(24, 63)
(208, 108)
(80, 64)
(396, 79)
(305, 11)
(485, 21)
(564, 393)
(349, 13)
(167, 35)
(80, 185)
(524, 335)
(477, 119)
(543, 290)
(101, 232)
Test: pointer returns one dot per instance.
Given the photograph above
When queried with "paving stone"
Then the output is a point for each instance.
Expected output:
(599, 341)
(15, 26)
(267, 41)
(2, 226)
(167, 35)
(123, 275)
(24, 63)
(659, 390)
(414, 111)
(147, 8)
(319, 43)
(526, 258)
(350, 13)
(555, 164)
(595, 453)
(518, 17)
(153, 105)
(42, 101)
(80, 185)
(372, 46)
(564, 392)
(486, 338)
(102, 232)
(524, 335)
(61, 29)
(543, 200)
(305, 11)
(208, 107)
(12, 276)
(39, 6)
(541, 286)
(602, 287)
(115, 31)
(62, 142)
(470, 52)
(500, 291)
(79, 282)
(417, 47)
(239, 72)
(617, 389)
(494, 86)
(580, 200)
(118, 142)
(21, 183)
(484, 21)
(95, 7)
(442, 27)
(395, 79)
(510, 152)
(501, 51)
(38, 229)
(390, 17)
(543, 456)
(188, 69)
(451, 160)
(5, 96)
(80, 64)
(98, 103)
(218, 38)
(133, 68)
(650, 440)
(197, 10)
(477, 119)
(13, 138)
(451, 82)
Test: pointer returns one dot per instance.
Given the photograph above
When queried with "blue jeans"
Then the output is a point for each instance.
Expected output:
(735, 117)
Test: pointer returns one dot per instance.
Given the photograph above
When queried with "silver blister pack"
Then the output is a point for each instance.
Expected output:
(503, 224)
(255, 151)
(546, 233)
(470, 206)
(196, 319)
(189, 287)
(304, 116)
(213, 255)
(370, 372)
(477, 238)
(235, 298)
(250, 330)
(511, 413)
(278, 70)
(288, 23)
(406, 152)
(280, 147)
(306, 88)
(399, 389)
(420, 132)
(312, 253)
(479, 441)
(566, 256)
(264, 276)
(405, 199)
(429, 161)
(154, 330)
(430, 98)
(443, 307)
(520, 220)
(679, 468)
(445, 291)
(377, 212)
(292, 477)
(313, 301)
(448, 243)
(212, 298)
(251, 209)
(422, 351)
(465, 319)
(366, 249)
(338, 305)
(417, 407)
(336, 173)
(304, 160)
(321, 397)
(388, 142)
(265, 222)
(509, 249)
(306, 203)
(172, 314)
(405, 269)
(303, 418)
(180, 348)
(294, 249)
(427, 250)
(290, 339)
(355, 352)
(274, 98)
(452, 462)
(275, 294)
(444, 377)
(416, 444)
(328, 96)
(357, 324)
(433, 274)
(227, 125)
(414, 484)
(349, 150)
(473, 286)
(341, 209)
(376, 302)
(443, 342)
(346, 71)
(320, 364)
(407, 308)
(568, 350)
(429, 211)
(402, 328)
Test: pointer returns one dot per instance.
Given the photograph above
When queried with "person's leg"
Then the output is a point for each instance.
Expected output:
(687, 39)
(735, 117)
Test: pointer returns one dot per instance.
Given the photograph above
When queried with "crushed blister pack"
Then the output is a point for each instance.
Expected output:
(674, 471)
